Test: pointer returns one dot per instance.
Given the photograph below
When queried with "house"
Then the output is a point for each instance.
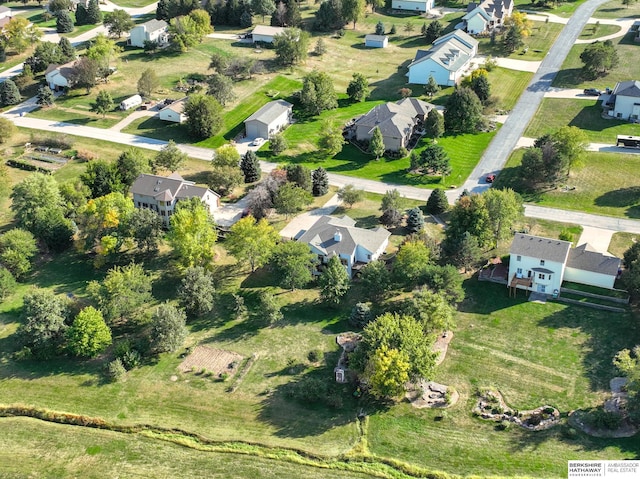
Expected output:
(5, 16)
(485, 16)
(355, 247)
(446, 61)
(161, 194)
(58, 77)
(265, 33)
(376, 41)
(624, 101)
(542, 264)
(273, 117)
(397, 122)
(131, 102)
(174, 111)
(422, 6)
(151, 31)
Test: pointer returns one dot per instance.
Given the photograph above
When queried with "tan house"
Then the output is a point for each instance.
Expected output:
(58, 77)
(174, 112)
(272, 118)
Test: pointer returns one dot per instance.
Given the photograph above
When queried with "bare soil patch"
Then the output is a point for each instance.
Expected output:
(216, 361)
(441, 345)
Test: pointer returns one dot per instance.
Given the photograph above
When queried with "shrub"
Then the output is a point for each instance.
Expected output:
(85, 156)
(601, 419)
(503, 426)
(115, 370)
(566, 235)
(314, 356)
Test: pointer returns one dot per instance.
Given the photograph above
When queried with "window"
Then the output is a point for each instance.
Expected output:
(519, 271)
(162, 213)
(518, 258)
(145, 205)
(543, 288)
(541, 276)
(541, 262)
(139, 204)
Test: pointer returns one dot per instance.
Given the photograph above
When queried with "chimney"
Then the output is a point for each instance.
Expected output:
(337, 236)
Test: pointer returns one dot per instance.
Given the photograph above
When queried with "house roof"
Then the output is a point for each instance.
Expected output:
(63, 70)
(476, 10)
(154, 25)
(459, 35)
(177, 106)
(270, 111)
(375, 38)
(585, 258)
(166, 188)
(492, 9)
(395, 119)
(323, 232)
(627, 88)
(267, 30)
(4, 9)
(540, 248)
(451, 54)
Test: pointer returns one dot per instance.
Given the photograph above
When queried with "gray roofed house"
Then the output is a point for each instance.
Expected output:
(272, 118)
(624, 102)
(355, 247)
(151, 31)
(484, 16)
(161, 194)
(174, 112)
(59, 77)
(585, 258)
(396, 121)
(538, 247)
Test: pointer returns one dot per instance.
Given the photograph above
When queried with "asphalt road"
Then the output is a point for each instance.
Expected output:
(496, 155)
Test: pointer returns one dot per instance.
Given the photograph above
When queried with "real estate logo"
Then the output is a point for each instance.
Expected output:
(610, 469)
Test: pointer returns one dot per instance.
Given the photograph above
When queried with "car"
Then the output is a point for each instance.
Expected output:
(592, 92)
(257, 141)
(490, 178)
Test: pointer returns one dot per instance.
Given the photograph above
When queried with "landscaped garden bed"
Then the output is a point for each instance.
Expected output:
(491, 406)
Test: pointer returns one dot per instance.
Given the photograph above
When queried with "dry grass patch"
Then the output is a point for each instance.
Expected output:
(216, 361)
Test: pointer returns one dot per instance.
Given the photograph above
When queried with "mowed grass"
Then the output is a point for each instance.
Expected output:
(554, 113)
(538, 42)
(621, 242)
(46, 450)
(607, 184)
(615, 9)
(591, 32)
(507, 86)
(535, 355)
(133, 3)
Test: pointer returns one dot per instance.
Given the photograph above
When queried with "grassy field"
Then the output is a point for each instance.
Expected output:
(554, 113)
(591, 32)
(133, 3)
(621, 242)
(607, 184)
(615, 9)
(507, 86)
(539, 42)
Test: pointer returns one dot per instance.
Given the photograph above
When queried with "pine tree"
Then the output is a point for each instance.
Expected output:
(320, 181)
(334, 281)
(81, 15)
(434, 124)
(94, 15)
(431, 88)
(250, 167)
(376, 144)
(437, 202)
(66, 50)
(415, 220)
(9, 93)
(64, 23)
(45, 96)
(380, 28)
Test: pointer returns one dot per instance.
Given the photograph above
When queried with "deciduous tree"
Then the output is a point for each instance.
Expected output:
(43, 328)
(278, 144)
(118, 22)
(505, 210)
(168, 329)
(170, 157)
(375, 280)
(89, 335)
(350, 195)
(463, 112)
(252, 242)
(148, 82)
(358, 88)
(412, 260)
(386, 372)
(292, 263)
(204, 116)
(334, 281)
(330, 138)
(103, 104)
(220, 87)
(291, 199)
(145, 228)
(102, 178)
(193, 233)
(196, 293)
(8, 283)
(291, 46)
(353, 11)
(317, 93)
(431, 310)
(17, 248)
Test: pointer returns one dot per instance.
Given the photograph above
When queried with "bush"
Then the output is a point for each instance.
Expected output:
(314, 355)
(566, 235)
(601, 419)
(503, 426)
(115, 370)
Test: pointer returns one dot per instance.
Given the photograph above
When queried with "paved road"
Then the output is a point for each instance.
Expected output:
(496, 155)
(583, 219)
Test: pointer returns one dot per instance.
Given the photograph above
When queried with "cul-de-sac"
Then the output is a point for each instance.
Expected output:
(319, 239)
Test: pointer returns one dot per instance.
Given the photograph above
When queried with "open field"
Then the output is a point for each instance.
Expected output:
(615, 9)
(554, 113)
(539, 42)
(607, 184)
(621, 242)
(507, 86)
(133, 3)
(591, 32)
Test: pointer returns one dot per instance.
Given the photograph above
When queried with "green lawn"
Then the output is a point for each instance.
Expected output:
(615, 9)
(132, 3)
(621, 242)
(507, 86)
(78, 116)
(607, 184)
(539, 42)
(153, 127)
(586, 114)
(36, 16)
(591, 32)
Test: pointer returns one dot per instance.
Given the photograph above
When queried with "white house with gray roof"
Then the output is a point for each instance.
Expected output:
(542, 264)
(396, 121)
(151, 31)
(446, 61)
(161, 194)
(174, 112)
(272, 118)
(422, 6)
(265, 33)
(624, 102)
(485, 16)
(354, 246)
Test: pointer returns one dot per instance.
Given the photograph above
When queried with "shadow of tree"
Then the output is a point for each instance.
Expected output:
(629, 197)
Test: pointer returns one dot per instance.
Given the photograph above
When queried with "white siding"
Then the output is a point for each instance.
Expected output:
(170, 115)
(376, 43)
(589, 277)
(551, 281)
(258, 37)
(256, 129)
(420, 72)
(625, 108)
(476, 24)
(412, 5)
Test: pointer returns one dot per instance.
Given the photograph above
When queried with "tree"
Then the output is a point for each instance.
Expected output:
(7, 283)
(469, 214)
(291, 199)
(220, 87)
(204, 116)
(292, 263)
(94, 15)
(270, 308)
(320, 182)
(630, 367)
(386, 373)
(412, 259)
(350, 195)
(145, 228)
(520, 21)
(358, 89)
(278, 144)
(505, 209)
(409, 27)
(102, 178)
(187, 31)
(263, 7)
(19, 33)
(320, 48)
(7, 130)
(226, 155)
(300, 175)
(148, 82)
(467, 252)
(431, 310)
(43, 328)
(251, 241)
(379, 28)
(64, 23)
(334, 281)
(463, 112)
(391, 218)
(17, 247)
(433, 159)
(101, 51)
(52, 228)
(250, 167)
(317, 93)
(293, 17)
(481, 87)
(122, 293)
(130, 164)
(170, 157)
(291, 46)
(329, 16)
(353, 10)
(84, 74)
(376, 143)
(375, 280)
(513, 39)
(223, 179)
(103, 104)
(360, 315)
(415, 220)
(196, 293)
(433, 31)
(193, 233)
(89, 335)
(9, 93)
(391, 200)
(571, 142)
(168, 329)
(431, 88)
(118, 22)
(45, 96)
(330, 140)
(58, 5)
(66, 50)
(434, 124)
(437, 202)
(36, 191)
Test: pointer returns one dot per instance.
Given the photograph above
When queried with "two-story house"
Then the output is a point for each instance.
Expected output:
(161, 194)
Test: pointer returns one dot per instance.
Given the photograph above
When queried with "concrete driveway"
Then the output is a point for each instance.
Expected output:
(598, 238)
(301, 223)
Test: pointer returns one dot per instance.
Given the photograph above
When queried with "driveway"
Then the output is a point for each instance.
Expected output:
(598, 238)
(584, 219)
(301, 223)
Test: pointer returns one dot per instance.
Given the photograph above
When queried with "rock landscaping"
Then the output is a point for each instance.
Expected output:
(491, 406)
(428, 394)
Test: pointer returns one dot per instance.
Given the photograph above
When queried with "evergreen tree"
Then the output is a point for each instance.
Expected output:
(513, 39)
(376, 144)
(431, 88)
(358, 88)
(66, 50)
(434, 124)
(246, 20)
(320, 48)
(293, 17)
(380, 28)
(9, 93)
(334, 281)
(360, 315)
(81, 15)
(45, 96)
(468, 251)
(415, 220)
(162, 10)
(320, 181)
(64, 23)
(300, 175)
(437, 202)
(391, 218)
(433, 31)
(278, 144)
(250, 167)
(480, 85)
(464, 111)
(94, 15)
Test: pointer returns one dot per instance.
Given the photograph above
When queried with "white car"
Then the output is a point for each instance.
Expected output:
(257, 141)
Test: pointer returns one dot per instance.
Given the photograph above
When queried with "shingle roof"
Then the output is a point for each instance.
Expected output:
(177, 106)
(322, 236)
(153, 25)
(451, 53)
(270, 111)
(4, 9)
(164, 188)
(584, 258)
(459, 35)
(267, 30)
(627, 88)
(395, 119)
(540, 248)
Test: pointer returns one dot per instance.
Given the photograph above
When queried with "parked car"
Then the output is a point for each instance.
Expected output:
(257, 141)
(592, 92)
(490, 178)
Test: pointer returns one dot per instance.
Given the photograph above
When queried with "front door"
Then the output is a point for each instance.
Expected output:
(542, 288)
